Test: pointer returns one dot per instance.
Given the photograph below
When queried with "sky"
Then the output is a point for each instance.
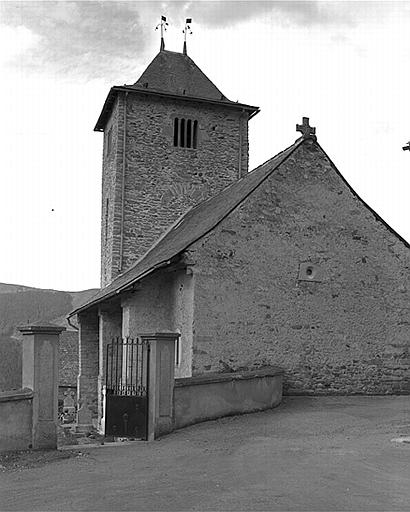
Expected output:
(345, 65)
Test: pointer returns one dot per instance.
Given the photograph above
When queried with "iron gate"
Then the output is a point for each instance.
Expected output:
(126, 406)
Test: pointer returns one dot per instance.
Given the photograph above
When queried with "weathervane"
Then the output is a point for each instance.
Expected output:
(407, 148)
(163, 26)
(187, 30)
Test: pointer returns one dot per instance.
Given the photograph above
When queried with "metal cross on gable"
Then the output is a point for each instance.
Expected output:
(307, 131)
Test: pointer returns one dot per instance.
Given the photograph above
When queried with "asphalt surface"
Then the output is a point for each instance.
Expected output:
(309, 454)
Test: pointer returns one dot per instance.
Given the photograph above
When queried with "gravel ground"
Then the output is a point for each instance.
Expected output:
(27, 459)
(309, 454)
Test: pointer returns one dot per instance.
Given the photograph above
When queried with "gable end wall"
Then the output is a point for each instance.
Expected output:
(347, 331)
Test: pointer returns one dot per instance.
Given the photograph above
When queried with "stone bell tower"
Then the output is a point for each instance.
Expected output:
(171, 140)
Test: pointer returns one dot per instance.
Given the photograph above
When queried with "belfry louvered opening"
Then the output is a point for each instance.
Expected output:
(185, 133)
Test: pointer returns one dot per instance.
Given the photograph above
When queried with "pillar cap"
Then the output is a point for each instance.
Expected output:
(167, 335)
(41, 329)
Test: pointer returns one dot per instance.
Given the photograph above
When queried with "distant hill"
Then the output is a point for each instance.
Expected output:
(22, 305)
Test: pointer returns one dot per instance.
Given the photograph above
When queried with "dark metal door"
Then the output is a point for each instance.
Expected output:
(126, 406)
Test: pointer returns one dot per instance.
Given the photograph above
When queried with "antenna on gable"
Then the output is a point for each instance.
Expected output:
(163, 26)
(187, 30)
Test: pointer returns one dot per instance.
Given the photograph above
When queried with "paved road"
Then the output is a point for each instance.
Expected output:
(320, 454)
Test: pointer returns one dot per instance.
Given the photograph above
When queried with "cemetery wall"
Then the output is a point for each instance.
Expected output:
(16, 418)
(213, 396)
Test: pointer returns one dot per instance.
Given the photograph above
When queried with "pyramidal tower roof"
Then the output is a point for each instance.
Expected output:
(176, 73)
(173, 75)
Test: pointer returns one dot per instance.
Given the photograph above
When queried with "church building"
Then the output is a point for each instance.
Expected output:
(284, 265)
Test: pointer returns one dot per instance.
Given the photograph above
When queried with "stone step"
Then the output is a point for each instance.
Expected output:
(84, 429)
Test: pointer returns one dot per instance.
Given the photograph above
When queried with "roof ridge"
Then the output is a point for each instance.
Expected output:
(172, 51)
(161, 255)
(293, 146)
(181, 218)
(258, 168)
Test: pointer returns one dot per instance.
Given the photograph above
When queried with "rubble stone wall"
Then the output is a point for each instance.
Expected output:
(304, 276)
(162, 181)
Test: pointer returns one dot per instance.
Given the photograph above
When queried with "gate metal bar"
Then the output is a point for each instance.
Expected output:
(126, 367)
(127, 387)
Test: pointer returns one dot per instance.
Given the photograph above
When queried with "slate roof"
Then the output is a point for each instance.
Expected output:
(192, 226)
(173, 75)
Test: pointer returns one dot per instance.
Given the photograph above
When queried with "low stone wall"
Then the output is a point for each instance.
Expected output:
(16, 419)
(211, 396)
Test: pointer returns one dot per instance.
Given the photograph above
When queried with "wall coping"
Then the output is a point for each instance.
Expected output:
(211, 378)
(16, 394)
(161, 335)
(41, 329)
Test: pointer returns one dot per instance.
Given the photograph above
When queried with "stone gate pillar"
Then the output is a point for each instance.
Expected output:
(161, 382)
(40, 373)
(87, 382)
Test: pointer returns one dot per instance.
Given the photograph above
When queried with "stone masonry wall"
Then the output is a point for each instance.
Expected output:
(111, 198)
(68, 362)
(163, 181)
(183, 315)
(343, 328)
(149, 308)
(87, 385)
(163, 303)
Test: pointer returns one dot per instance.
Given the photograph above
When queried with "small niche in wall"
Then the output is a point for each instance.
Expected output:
(309, 271)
